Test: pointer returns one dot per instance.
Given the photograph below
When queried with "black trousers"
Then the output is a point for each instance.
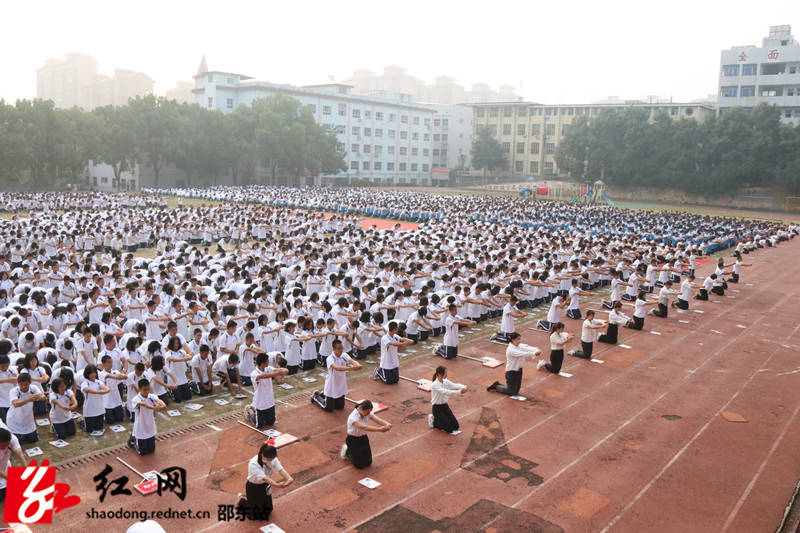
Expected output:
(358, 451)
(448, 352)
(114, 415)
(145, 446)
(682, 304)
(259, 501)
(390, 376)
(556, 359)
(64, 429)
(611, 334)
(719, 290)
(265, 417)
(513, 383)
(93, 423)
(328, 403)
(308, 364)
(703, 295)
(638, 323)
(444, 419)
(661, 311)
(585, 352)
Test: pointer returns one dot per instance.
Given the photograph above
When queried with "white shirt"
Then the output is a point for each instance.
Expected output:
(507, 324)
(93, 405)
(198, 363)
(589, 334)
(144, 422)
(389, 358)
(5, 456)
(20, 419)
(258, 474)
(451, 330)
(515, 356)
(440, 390)
(556, 339)
(263, 396)
(5, 388)
(336, 382)
(354, 417)
(112, 399)
(57, 414)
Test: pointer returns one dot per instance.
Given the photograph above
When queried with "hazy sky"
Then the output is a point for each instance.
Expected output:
(560, 52)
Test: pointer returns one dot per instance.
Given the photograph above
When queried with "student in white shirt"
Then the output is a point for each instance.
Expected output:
(261, 477)
(338, 363)
(663, 300)
(20, 418)
(9, 445)
(616, 318)
(201, 371)
(8, 380)
(510, 312)
(62, 405)
(553, 315)
(588, 336)
(640, 312)
(227, 369)
(682, 302)
(388, 369)
(516, 355)
(93, 404)
(449, 348)
(356, 446)
(177, 357)
(112, 401)
(145, 404)
(558, 340)
(261, 412)
(441, 389)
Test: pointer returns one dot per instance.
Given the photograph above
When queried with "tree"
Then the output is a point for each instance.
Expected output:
(80, 141)
(486, 152)
(12, 146)
(187, 145)
(117, 144)
(154, 123)
(41, 135)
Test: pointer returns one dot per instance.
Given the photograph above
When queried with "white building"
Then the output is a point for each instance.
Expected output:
(100, 177)
(386, 139)
(452, 139)
(750, 75)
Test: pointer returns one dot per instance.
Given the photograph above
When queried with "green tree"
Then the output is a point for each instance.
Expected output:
(154, 120)
(117, 144)
(487, 152)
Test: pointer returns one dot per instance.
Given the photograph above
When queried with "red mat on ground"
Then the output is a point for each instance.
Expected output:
(367, 223)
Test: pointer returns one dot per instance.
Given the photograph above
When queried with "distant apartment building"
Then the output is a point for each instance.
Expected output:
(530, 132)
(444, 90)
(452, 139)
(74, 82)
(182, 92)
(751, 75)
(386, 139)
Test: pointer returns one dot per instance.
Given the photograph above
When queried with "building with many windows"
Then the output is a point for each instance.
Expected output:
(452, 139)
(751, 75)
(386, 138)
(530, 132)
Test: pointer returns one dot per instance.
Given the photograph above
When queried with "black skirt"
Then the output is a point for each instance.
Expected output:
(444, 419)
(358, 451)
(259, 501)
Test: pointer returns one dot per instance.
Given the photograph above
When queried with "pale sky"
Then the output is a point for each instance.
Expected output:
(560, 52)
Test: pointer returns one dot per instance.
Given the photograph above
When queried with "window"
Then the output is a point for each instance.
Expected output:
(312, 108)
(356, 130)
(390, 166)
(730, 70)
(403, 150)
(767, 91)
(404, 119)
(480, 112)
(507, 111)
(229, 103)
(414, 136)
(378, 149)
(534, 167)
(413, 167)
(365, 165)
(404, 135)
(534, 148)
(550, 130)
(415, 121)
(427, 122)
(367, 148)
(789, 91)
(445, 123)
(378, 132)
(506, 129)
(103, 180)
(673, 111)
(444, 152)
(571, 111)
(520, 148)
(378, 115)
(426, 137)
(342, 110)
(367, 132)
(210, 78)
(444, 137)
(493, 130)
(522, 111)
(792, 70)
(548, 112)
(353, 165)
(376, 165)
(548, 167)
(749, 69)
(340, 128)
(435, 152)
(549, 148)
(493, 112)
(391, 134)
(367, 114)
(391, 116)
(535, 130)
(425, 152)
(437, 122)
(424, 167)
(415, 151)
(436, 137)
(356, 113)
(354, 148)
(326, 110)
(521, 130)
(727, 91)
(390, 150)
(210, 102)
(518, 166)
(506, 147)
(402, 167)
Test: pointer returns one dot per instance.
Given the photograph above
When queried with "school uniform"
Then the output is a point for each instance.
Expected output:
(199, 364)
(93, 406)
(143, 436)
(588, 336)
(357, 442)
(389, 369)
(663, 302)
(293, 359)
(506, 323)
(683, 298)
(449, 347)
(516, 357)
(263, 398)
(638, 314)
(112, 402)
(258, 491)
(62, 421)
(5, 459)
(20, 420)
(335, 389)
(573, 310)
(443, 417)
(5, 390)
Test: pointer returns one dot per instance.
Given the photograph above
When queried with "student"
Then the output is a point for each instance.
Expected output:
(260, 479)
(516, 355)
(616, 318)
(640, 311)
(682, 301)
(575, 292)
(9, 445)
(441, 389)
(261, 412)
(292, 343)
(93, 406)
(588, 336)
(737, 267)
(8, 380)
(226, 368)
(663, 300)
(449, 348)
(553, 315)
(418, 326)
(62, 405)
(161, 380)
(111, 401)
(338, 363)
(708, 284)
(558, 339)
(201, 371)
(356, 446)
(145, 404)
(133, 386)
(20, 418)
(510, 312)
(177, 356)
(388, 370)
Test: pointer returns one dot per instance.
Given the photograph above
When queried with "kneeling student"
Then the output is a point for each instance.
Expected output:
(442, 388)
(663, 300)
(20, 418)
(261, 412)
(588, 336)
(339, 363)
(356, 446)
(62, 404)
(145, 404)
(516, 355)
(510, 312)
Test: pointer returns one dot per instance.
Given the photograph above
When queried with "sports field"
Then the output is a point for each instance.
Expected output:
(693, 428)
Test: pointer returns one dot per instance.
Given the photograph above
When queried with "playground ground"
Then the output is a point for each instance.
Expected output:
(695, 429)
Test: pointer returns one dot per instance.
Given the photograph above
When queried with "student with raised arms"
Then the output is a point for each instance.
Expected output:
(356, 446)
(517, 354)
(335, 390)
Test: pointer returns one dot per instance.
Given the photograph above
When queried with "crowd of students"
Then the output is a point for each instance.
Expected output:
(264, 285)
